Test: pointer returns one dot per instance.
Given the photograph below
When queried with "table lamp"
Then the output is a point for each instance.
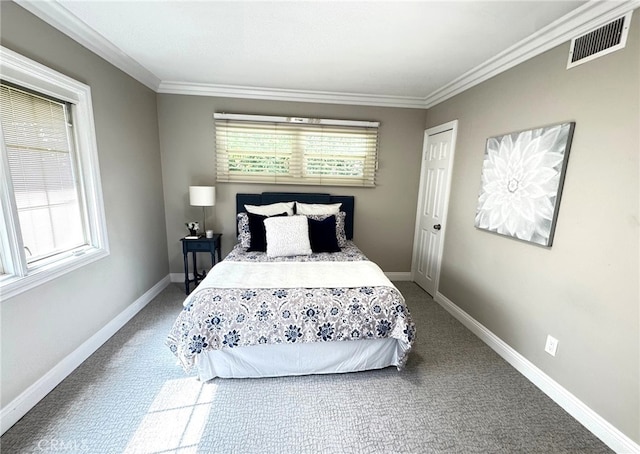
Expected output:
(202, 196)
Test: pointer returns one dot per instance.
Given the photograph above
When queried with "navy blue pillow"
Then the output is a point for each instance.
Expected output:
(322, 235)
(258, 241)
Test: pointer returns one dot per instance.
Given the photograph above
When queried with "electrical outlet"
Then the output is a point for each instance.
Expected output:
(551, 346)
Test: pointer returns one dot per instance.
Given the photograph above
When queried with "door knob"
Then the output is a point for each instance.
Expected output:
(437, 227)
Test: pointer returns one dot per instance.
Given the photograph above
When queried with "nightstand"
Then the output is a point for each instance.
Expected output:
(203, 244)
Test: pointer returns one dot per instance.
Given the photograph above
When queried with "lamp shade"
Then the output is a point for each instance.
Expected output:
(202, 196)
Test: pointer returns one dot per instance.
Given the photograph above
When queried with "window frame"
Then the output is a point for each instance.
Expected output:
(19, 277)
(301, 127)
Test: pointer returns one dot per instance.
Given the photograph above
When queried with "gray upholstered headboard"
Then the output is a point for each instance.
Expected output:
(266, 198)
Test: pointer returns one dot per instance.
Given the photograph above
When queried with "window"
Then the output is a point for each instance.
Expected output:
(285, 150)
(51, 200)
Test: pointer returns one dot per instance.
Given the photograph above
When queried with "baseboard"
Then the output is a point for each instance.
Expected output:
(602, 429)
(399, 276)
(19, 406)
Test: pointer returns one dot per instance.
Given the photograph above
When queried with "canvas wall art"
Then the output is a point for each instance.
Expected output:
(522, 177)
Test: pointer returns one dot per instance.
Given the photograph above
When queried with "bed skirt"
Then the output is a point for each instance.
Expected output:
(299, 359)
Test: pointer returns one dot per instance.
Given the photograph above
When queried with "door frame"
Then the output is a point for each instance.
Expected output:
(453, 126)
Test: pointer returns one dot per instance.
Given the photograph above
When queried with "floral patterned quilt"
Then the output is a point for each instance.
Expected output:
(349, 253)
(217, 318)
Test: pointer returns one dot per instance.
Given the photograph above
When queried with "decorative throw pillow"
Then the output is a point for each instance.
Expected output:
(244, 234)
(287, 236)
(258, 240)
(318, 208)
(341, 235)
(322, 235)
(271, 209)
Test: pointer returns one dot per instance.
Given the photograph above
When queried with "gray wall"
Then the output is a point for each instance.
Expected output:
(385, 215)
(42, 326)
(584, 290)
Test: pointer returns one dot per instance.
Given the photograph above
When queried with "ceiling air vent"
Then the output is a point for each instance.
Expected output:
(601, 41)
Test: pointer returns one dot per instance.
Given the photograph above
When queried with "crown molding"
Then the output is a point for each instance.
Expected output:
(581, 20)
(62, 19)
(277, 94)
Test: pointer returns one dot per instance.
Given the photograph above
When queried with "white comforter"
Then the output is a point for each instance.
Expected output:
(294, 275)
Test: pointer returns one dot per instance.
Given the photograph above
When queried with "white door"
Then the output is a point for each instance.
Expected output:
(435, 176)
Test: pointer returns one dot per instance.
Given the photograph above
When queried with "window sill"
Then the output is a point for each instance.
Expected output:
(11, 286)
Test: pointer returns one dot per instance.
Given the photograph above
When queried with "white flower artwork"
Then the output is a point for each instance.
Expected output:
(522, 177)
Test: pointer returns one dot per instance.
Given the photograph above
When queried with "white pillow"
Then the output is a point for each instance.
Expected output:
(318, 208)
(287, 236)
(270, 210)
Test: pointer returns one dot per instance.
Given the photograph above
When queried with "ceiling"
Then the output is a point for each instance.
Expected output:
(408, 54)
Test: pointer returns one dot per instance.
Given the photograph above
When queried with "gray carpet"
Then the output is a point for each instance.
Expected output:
(455, 395)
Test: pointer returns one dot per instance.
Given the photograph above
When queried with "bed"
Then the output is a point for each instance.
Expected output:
(295, 296)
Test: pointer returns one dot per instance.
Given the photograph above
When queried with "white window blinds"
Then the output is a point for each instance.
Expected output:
(42, 170)
(284, 150)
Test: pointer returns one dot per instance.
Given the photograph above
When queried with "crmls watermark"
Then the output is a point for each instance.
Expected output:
(59, 445)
